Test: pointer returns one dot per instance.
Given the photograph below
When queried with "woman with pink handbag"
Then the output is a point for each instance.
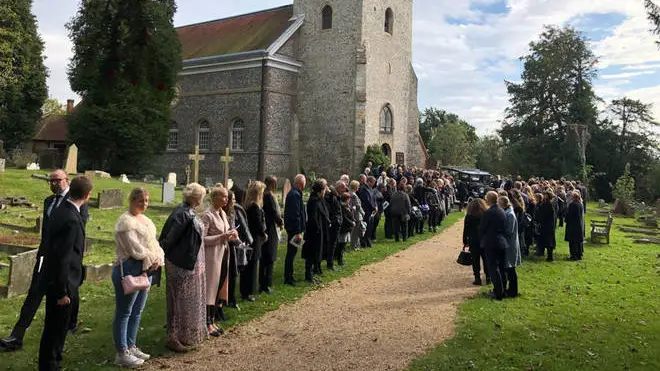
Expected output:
(138, 253)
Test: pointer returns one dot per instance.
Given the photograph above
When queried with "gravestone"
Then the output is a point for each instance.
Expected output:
(124, 179)
(208, 182)
(33, 166)
(171, 178)
(602, 204)
(400, 158)
(2, 165)
(168, 193)
(71, 162)
(97, 174)
(20, 272)
(285, 190)
(111, 198)
(91, 174)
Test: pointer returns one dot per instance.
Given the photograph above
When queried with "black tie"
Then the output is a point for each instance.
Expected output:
(55, 203)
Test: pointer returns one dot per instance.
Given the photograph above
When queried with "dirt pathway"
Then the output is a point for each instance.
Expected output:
(381, 318)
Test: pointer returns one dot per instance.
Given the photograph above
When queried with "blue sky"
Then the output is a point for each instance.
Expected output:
(463, 50)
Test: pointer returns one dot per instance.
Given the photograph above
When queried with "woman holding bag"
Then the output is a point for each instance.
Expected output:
(138, 253)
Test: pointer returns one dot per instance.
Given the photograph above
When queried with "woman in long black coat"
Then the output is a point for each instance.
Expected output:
(575, 226)
(547, 218)
(273, 223)
(334, 213)
(475, 210)
(255, 217)
(316, 232)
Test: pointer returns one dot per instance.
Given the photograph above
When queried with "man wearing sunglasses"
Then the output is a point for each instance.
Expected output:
(59, 186)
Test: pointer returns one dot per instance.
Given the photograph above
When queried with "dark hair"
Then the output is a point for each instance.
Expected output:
(271, 183)
(476, 207)
(318, 186)
(80, 187)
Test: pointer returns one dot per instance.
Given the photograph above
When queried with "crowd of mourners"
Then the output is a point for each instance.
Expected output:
(235, 239)
(516, 217)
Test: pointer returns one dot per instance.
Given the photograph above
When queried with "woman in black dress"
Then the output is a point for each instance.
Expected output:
(475, 210)
(575, 226)
(316, 231)
(547, 219)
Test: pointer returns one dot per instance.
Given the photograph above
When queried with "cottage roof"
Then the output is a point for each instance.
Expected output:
(54, 128)
(248, 32)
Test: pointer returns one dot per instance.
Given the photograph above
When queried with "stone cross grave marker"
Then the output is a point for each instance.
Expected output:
(171, 178)
(111, 198)
(2, 165)
(196, 158)
(71, 162)
(168, 193)
(226, 160)
(285, 190)
(187, 174)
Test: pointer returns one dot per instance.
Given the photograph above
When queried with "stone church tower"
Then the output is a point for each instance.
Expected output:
(357, 87)
(307, 86)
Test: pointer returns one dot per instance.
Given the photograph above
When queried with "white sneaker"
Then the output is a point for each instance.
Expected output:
(137, 353)
(126, 359)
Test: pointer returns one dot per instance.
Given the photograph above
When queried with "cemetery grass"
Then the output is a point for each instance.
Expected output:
(598, 314)
(91, 347)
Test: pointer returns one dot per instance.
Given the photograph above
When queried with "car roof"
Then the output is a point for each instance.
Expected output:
(467, 171)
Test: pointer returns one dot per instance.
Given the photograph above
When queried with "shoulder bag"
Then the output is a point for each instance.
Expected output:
(131, 284)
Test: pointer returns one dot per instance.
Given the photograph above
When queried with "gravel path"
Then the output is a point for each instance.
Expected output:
(381, 318)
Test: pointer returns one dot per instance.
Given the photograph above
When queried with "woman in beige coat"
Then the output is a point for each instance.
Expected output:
(216, 235)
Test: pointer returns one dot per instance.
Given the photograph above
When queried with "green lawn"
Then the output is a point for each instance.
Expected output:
(93, 350)
(602, 313)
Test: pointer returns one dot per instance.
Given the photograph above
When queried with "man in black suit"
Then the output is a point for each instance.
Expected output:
(369, 205)
(491, 232)
(63, 271)
(59, 185)
(295, 220)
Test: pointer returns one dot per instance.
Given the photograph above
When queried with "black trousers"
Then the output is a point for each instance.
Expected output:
(433, 219)
(374, 227)
(478, 255)
(265, 273)
(291, 252)
(249, 278)
(412, 226)
(576, 249)
(365, 240)
(512, 282)
(388, 226)
(496, 270)
(339, 252)
(56, 326)
(231, 284)
(309, 269)
(31, 304)
(400, 228)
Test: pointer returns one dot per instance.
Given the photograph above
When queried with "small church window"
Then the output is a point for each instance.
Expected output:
(204, 136)
(326, 16)
(386, 126)
(173, 140)
(237, 128)
(389, 21)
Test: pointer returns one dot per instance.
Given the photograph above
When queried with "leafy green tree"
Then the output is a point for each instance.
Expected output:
(450, 140)
(52, 107)
(553, 109)
(490, 154)
(125, 64)
(653, 15)
(22, 73)
(631, 115)
(376, 156)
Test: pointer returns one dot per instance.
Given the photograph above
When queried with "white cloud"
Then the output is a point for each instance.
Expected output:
(626, 75)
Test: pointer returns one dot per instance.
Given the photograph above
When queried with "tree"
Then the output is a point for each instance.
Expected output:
(125, 64)
(632, 116)
(553, 109)
(490, 154)
(653, 15)
(22, 73)
(449, 139)
(52, 107)
(377, 158)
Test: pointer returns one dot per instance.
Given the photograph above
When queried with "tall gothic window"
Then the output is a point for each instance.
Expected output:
(173, 140)
(389, 21)
(204, 136)
(236, 139)
(326, 17)
(386, 126)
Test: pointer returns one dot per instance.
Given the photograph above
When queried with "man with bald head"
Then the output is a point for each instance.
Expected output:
(59, 186)
(295, 220)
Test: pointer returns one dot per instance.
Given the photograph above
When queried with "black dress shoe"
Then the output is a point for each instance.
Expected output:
(73, 330)
(266, 290)
(232, 304)
(477, 282)
(11, 344)
(249, 298)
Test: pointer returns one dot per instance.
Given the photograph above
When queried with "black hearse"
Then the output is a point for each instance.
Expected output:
(478, 181)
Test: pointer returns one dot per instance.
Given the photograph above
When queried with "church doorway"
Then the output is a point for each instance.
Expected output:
(387, 150)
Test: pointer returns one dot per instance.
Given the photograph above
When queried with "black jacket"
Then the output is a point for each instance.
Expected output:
(84, 213)
(273, 223)
(241, 223)
(181, 237)
(257, 225)
(63, 270)
(367, 199)
(471, 232)
(295, 217)
(574, 223)
(348, 221)
(491, 229)
(547, 218)
(400, 205)
(317, 229)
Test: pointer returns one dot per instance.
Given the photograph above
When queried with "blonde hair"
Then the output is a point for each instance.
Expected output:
(504, 202)
(354, 185)
(255, 194)
(577, 196)
(217, 191)
(194, 191)
(137, 194)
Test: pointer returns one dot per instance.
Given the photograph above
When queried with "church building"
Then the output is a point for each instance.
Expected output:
(304, 87)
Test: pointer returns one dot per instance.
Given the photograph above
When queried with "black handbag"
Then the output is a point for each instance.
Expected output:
(464, 258)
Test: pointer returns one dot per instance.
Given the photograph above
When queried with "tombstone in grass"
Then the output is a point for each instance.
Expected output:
(171, 178)
(2, 165)
(168, 193)
(33, 166)
(71, 162)
(285, 190)
(111, 198)
(187, 174)
(208, 182)
(124, 179)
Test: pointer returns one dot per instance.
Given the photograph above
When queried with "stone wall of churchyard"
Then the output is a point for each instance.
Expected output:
(219, 98)
(330, 139)
(415, 154)
(388, 60)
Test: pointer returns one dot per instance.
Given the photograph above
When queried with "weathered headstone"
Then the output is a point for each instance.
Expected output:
(20, 272)
(97, 174)
(187, 174)
(2, 165)
(91, 174)
(111, 198)
(171, 178)
(285, 190)
(33, 166)
(124, 179)
(208, 182)
(602, 204)
(168, 193)
(71, 162)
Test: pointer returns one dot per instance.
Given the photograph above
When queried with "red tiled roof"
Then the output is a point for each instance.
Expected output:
(54, 128)
(254, 31)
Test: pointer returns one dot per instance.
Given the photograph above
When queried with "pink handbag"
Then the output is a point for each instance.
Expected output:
(132, 284)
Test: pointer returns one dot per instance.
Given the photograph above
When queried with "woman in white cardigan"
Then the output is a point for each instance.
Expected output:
(138, 252)
(216, 235)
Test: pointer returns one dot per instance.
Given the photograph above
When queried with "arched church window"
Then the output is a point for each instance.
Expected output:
(236, 139)
(204, 136)
(326, 17)
(389, 21)
(173, 139)
(386, 118)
